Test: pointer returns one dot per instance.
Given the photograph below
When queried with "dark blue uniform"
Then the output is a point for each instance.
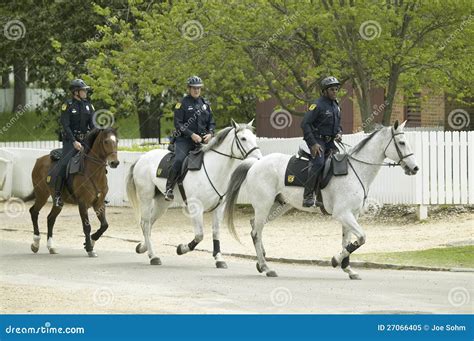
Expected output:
(76, 121)
(190, 116)
(320, 126)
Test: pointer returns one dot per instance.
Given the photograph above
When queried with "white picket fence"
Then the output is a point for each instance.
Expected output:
(57, 144)
(446, 161)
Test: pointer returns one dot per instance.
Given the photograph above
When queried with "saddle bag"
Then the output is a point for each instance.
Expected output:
(195, 159)
(340, 164)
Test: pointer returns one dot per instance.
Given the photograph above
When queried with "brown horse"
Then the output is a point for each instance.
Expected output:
(89, 188)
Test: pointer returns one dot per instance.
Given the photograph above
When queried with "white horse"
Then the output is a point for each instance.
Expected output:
(343, 197)
(204, 188)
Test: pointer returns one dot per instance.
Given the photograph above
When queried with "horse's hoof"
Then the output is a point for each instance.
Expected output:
(272, 273)
(139, 248)
(180, 250)
(155, 261)
(334, 262)
(259, 269)
(354, 276)
(92, 254)
(34, 248)
(53, 251)
(221, 265)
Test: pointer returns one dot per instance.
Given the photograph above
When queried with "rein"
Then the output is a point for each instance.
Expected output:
(244, 153)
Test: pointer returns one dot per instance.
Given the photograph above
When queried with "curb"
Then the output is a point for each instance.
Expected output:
(355, 264)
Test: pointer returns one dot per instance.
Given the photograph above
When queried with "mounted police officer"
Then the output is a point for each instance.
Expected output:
(76, 121)
(321, 127)
(194, 124)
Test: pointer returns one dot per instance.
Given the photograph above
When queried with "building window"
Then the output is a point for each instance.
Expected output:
(413, 110)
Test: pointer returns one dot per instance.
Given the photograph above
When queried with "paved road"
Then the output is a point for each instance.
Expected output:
(121, 282)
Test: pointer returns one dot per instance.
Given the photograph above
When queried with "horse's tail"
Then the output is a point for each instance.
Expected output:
(238, 177)
(29, 197)
(132, 192)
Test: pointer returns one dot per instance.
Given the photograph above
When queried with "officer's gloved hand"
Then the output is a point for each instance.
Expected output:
(316, 150)
(196, 138)
(207, 138)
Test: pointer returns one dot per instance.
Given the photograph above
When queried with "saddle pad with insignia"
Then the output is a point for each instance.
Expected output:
(296, 172)
(165, 165)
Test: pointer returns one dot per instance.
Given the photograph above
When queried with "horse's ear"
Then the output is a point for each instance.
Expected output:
(401, 126)
(395, 125)
(234, 124)
(250, 124)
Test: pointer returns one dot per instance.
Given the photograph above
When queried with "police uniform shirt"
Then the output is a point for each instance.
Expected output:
(322, 119)
(193, 115)
(76, 118)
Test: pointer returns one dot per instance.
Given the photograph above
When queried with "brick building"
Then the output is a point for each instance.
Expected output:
(425, 109)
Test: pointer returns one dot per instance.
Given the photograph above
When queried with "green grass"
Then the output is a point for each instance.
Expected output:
(25, 127)
(449, 257)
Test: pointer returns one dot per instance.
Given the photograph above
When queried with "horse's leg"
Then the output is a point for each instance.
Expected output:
(198, 221)
(216, 221)
(34, 213)
(86, 227)
(261, 216)
(99, 209)
(55, 210)
(350, 225)
(148, 217)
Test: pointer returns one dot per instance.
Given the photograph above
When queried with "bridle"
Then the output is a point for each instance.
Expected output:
(240, 147)
(388, 164)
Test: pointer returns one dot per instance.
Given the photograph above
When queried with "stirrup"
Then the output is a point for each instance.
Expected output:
(169, 195)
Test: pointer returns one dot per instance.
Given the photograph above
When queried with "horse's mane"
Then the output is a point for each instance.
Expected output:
(362, 143)
(92, 136)
(221, 135)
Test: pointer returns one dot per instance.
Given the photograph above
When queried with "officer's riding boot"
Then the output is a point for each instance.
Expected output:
(170, 183)
(58, 187)
(308, 195)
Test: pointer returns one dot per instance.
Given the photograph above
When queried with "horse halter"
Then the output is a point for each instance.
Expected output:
(397, 148)
(240, 147)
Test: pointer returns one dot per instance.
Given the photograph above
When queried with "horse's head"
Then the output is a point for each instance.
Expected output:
(399, 150)
(107, 142)
(245, 141)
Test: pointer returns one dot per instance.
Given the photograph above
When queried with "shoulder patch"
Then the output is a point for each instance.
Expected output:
(64, 107)
(312, 107)
(177, 106)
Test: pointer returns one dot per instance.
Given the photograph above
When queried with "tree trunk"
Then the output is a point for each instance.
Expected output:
(5, 79)
(19, 92)
(362, 91)
(149, 123)
(391, 91)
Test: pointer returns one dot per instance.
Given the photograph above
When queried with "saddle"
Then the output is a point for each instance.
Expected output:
(192, 162)
(74, 166)
(296, 172)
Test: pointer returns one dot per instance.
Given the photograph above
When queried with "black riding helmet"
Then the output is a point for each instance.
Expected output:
(195, 81)
(78, 84)
(328, 82)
